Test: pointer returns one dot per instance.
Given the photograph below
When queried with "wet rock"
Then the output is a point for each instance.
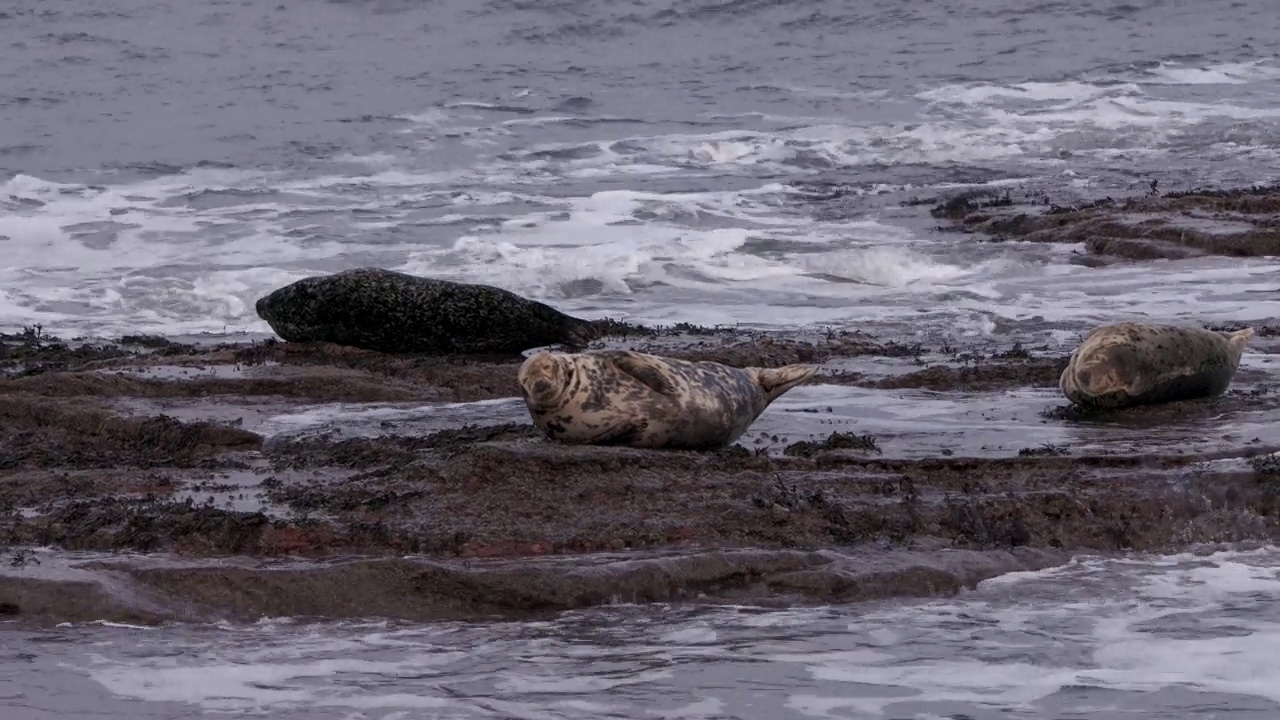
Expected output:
(1038, 373)
(393, 312)
(763, 353)
(361, 453)
(1259, 330)
(120, 524)
(967, 203)
(421, 590)
(1042, 450)
(32, 351)
(738, 348)
(1140, 248)
(985, 375)
(36, 432)
(835, 441)
(1165, 413)
(1267, 467)
(1240, 223)
(494, 518)
(333, 384)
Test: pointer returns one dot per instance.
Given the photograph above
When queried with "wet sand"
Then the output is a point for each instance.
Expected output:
(147, 481)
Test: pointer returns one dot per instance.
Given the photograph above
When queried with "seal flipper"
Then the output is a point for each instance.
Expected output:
(1237, 341)
(626, 434)
(642, 372)
(777, 381)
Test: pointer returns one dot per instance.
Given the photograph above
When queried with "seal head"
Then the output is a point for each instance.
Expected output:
(545, 380)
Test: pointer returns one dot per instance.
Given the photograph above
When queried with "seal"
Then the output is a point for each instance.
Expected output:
(394, 312)
(1127, 364)
(620, 397)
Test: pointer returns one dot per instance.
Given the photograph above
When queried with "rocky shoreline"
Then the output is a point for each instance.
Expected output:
(1238, 222)
(147, 480)
(133, 486)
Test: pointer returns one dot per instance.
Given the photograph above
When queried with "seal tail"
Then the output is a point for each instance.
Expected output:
(777, 381)
(1238, 340)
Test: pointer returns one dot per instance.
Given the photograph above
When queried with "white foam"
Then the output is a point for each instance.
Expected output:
(1094, 627)
(597, 238)
(191, 252)
(1237, 73)
(551, 683)
(985, 93)
(174, 271)
(1121, 651)
(1082, 105)
(699, 635)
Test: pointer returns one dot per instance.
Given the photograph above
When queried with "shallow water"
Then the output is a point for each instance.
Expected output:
(1158, 636)
(907, 423)
(162, 165)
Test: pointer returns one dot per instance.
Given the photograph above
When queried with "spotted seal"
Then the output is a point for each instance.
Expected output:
(394, 312)
(620, 397)
(1129, 363)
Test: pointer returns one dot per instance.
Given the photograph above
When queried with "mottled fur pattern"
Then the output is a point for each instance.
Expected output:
(618, 397)
(1130, 363)
(392, 312)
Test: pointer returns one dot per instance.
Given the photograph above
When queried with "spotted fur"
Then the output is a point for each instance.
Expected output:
(1130, 363)
(393, 312)
(619, 397)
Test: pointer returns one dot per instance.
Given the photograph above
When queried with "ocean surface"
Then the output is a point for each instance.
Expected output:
(164, 164)
(1147, 637)
(741, 162)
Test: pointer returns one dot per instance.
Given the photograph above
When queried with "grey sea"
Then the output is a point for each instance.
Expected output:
(744, 162)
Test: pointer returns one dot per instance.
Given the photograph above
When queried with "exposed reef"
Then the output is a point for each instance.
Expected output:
(149, 480)
(1238, 223)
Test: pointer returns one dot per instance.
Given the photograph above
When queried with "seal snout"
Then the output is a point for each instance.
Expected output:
(541, 388)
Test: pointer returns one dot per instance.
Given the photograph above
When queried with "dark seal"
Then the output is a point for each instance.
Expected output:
(620, 397)
(393, 312)
(1130, 363)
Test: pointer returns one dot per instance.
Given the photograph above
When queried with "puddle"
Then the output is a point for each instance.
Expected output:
(912, 423)
(197, 372)
(375, 419)
(249, 413)
(922, 423)
(234, 491)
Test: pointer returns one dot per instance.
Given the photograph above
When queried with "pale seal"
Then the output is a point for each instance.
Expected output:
(1129, 363)
(393, 312)
(619, 397)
